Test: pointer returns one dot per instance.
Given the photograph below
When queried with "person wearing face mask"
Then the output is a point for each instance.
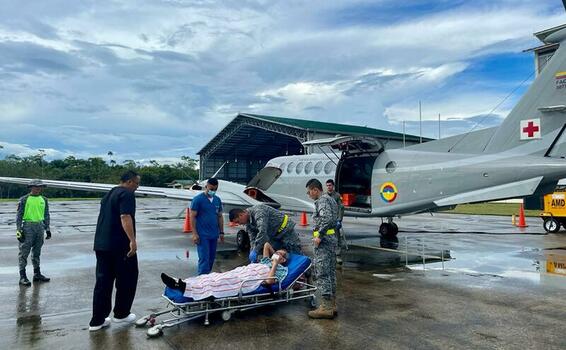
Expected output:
(207, 224)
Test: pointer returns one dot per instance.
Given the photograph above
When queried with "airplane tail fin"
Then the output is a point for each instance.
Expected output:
(540, 115)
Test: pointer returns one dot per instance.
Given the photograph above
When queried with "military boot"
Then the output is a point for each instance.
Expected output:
(334, 307)
(325, 310)
(24, 279)
(38, 277)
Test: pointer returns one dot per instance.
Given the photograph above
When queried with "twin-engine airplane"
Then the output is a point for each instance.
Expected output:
(523, 156)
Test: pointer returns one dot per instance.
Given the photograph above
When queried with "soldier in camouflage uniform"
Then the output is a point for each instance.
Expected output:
(265, 224)
(324, 238)
(339, 232)
(31, 220)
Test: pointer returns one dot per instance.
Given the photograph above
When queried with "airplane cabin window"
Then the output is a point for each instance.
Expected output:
(290, 167)
(318, 167)
(308, 168)
(282, 166)
(300, 167)
(329, 167)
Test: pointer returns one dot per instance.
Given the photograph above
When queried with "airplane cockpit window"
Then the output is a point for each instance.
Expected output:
(329, 168)
(318, 167)
(282, 166)
(291, 167)
(308, 168)
(300, 167)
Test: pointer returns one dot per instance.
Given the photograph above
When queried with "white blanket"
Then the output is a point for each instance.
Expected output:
(226, 284)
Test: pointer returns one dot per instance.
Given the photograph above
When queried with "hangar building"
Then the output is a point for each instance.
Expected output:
(249, 141)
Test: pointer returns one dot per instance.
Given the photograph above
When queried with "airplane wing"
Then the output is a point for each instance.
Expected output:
(511, 190)
(293, 204)
(232, 195)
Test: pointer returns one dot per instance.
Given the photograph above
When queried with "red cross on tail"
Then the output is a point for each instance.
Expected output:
(530, 129)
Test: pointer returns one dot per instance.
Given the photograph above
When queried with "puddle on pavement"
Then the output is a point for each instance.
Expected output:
(544, 267)
(536, 265)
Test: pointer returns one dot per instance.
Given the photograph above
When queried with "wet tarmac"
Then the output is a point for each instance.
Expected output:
(482, 284)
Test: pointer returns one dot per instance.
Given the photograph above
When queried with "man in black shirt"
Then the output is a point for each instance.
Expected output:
(116, 260)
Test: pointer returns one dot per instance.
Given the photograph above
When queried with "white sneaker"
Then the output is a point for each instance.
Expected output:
(128, 319)
(105, 324)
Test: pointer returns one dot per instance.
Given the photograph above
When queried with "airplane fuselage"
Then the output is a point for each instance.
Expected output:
(404, 181)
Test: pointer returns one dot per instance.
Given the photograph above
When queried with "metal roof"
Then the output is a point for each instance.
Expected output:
(241, 136)
(312, 125)
(254, 142)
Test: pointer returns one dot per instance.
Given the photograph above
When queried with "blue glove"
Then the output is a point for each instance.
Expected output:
(338, 224)
(253, 256)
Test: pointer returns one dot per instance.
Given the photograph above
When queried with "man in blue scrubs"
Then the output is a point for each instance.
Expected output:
(207, 224)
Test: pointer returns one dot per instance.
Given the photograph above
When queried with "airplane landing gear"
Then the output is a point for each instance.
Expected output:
(388, 229)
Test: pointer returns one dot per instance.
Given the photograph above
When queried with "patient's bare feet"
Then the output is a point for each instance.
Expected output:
(173, 283)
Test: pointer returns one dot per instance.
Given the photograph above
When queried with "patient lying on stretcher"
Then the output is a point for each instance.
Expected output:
(249, 277)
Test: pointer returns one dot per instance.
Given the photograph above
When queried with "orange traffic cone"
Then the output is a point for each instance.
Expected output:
(304, 219)
(187, 227)
(522, 222)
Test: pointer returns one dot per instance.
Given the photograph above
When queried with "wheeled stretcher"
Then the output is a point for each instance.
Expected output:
(182, 309)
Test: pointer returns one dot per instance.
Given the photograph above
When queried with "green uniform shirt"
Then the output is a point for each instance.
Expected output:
(35, 209)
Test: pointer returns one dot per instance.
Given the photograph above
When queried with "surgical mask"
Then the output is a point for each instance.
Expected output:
(211, 193)
(276, 257)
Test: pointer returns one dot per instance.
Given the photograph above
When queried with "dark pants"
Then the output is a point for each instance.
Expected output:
(110, 267)
(206, 253)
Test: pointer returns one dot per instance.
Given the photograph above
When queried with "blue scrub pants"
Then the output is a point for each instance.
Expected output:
(206, 253)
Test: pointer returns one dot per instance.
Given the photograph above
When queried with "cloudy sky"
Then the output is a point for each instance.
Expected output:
(156, 79)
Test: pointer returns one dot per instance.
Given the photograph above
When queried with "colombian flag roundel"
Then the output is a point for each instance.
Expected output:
(388, 192)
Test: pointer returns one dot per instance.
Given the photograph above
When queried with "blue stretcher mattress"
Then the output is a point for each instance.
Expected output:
(297, 265)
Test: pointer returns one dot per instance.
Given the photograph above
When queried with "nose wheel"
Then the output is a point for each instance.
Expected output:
(388, 229)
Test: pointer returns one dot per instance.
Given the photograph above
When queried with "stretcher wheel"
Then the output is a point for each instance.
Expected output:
(226, 316)
(142, 321)
(154, 331)
(551, 225)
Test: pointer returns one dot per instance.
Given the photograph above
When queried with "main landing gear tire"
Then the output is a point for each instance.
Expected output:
(388, 229)
(551, 225)
(243, 240)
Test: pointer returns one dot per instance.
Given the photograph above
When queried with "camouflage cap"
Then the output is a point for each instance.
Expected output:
(36, 183)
